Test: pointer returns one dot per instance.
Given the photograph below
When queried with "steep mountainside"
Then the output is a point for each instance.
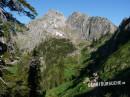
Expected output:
(110, 62)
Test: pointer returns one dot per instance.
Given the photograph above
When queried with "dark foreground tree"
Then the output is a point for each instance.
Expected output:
(20, 6)
(7, 8)
(34, 76)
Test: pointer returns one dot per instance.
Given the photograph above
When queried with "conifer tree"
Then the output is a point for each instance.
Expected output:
(7, 8)
(19, 6)
(34, 76)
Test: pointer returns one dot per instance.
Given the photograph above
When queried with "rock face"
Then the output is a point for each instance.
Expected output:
(90, 28)
(51, 25)
(76, 27)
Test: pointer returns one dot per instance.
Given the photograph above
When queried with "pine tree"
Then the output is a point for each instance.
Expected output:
(20, 6)
(34, 76)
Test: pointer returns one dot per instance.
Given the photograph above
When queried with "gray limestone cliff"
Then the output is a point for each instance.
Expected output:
(90, 28)
(76, 27)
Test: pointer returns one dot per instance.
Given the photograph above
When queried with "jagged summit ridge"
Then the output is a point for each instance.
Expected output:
(52, 19)
(90, 28)
(53, 13)
(76, 19)
(76, 27)
(50, 25)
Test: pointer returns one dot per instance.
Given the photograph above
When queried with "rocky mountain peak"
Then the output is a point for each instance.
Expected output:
(76, 18)
(52, 19)
(76, 27)
(90, 27)
(77, 14)
(54, 13)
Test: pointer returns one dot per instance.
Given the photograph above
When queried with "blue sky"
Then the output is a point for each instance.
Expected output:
(114, 10)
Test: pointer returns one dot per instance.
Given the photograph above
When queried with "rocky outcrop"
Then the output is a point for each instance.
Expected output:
(90, 28)
(50, 25)
(76, 27)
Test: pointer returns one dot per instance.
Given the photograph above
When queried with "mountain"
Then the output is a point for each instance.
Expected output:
(109, 63)
(57, 57)
(77, 27)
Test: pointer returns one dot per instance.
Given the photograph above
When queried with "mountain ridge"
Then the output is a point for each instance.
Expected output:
(77, 27)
